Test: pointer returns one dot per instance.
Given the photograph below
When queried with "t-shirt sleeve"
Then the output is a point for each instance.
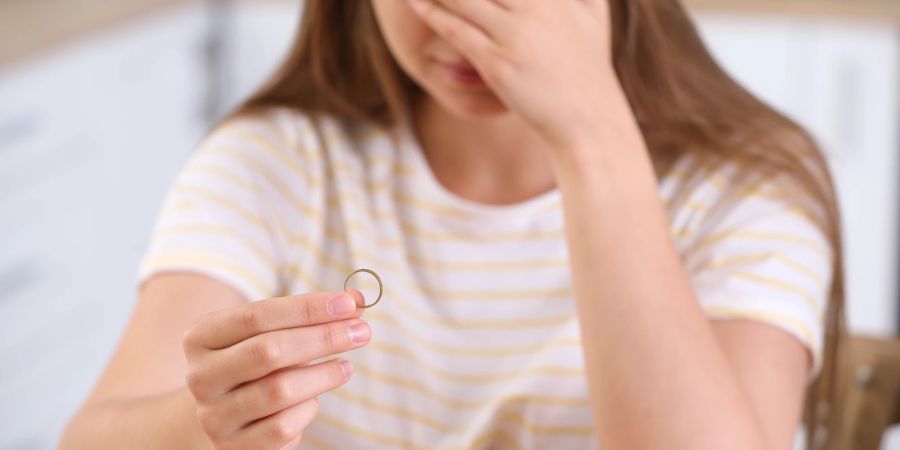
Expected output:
(218, 218)
(763, 258)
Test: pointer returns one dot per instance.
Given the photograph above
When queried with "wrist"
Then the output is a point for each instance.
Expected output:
(611, 142)
(611, 155)
(609, 125)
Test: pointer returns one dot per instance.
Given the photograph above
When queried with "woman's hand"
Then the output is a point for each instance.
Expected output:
(548, 61)
(248, 367)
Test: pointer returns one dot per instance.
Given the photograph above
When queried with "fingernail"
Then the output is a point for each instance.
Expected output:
(341, 305)
(346, 367)
(359, 333)
(351, 291)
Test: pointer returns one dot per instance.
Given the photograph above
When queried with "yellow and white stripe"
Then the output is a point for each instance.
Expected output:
(476, 343)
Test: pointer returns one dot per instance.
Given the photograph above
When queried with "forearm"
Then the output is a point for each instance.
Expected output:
(161, 421)
(657, 377)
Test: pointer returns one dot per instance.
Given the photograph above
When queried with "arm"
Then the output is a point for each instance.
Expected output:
(771, 368)
(659, 375)
(141, 397)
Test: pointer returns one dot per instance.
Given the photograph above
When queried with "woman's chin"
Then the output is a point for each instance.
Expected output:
(486, 106)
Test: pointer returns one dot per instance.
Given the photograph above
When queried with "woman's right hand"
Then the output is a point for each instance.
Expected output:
(248, 367)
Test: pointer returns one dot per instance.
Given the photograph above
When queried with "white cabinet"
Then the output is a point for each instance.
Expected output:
(256, 38)
(841, 80)
(90, 136)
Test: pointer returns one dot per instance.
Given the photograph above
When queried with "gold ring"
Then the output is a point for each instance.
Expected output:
(377, 278)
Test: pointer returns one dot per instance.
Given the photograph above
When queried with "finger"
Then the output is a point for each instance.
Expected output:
(224, 328)
(489, 16)
(261, 355)
(465, 36)
(277, 430)
(277, 391)
(359, 298)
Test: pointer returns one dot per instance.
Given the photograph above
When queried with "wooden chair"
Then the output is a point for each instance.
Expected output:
(869, 386)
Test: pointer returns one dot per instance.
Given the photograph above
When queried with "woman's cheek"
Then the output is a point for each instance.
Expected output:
(406, 35)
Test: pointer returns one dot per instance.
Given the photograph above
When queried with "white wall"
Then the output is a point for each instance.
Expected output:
(90, 136)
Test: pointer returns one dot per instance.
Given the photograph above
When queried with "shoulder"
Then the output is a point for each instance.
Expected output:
(282, 140)
(755, 244)
(295, 129)
(287, 131)
(705, 196)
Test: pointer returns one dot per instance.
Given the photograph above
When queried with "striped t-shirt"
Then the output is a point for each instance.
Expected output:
(476, 342)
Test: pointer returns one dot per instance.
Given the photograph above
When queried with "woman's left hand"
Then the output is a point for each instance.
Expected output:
(548, 61)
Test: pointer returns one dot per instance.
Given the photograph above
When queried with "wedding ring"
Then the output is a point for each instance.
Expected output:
(377, 278)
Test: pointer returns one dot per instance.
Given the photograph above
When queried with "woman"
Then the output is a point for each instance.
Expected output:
(588, 235)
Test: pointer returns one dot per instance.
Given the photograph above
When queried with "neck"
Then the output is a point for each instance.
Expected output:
(495, 160)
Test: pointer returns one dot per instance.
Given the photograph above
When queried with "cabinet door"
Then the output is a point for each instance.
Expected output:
(90, 136)
(852, 106)
(840, 80)
(255, 38)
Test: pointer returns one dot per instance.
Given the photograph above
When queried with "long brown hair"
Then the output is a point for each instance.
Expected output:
(340, 65)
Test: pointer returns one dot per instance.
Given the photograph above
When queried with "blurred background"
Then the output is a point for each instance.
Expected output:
(101, 102)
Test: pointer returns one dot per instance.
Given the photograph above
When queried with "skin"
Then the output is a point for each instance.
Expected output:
(200, 367)
(180, 379)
